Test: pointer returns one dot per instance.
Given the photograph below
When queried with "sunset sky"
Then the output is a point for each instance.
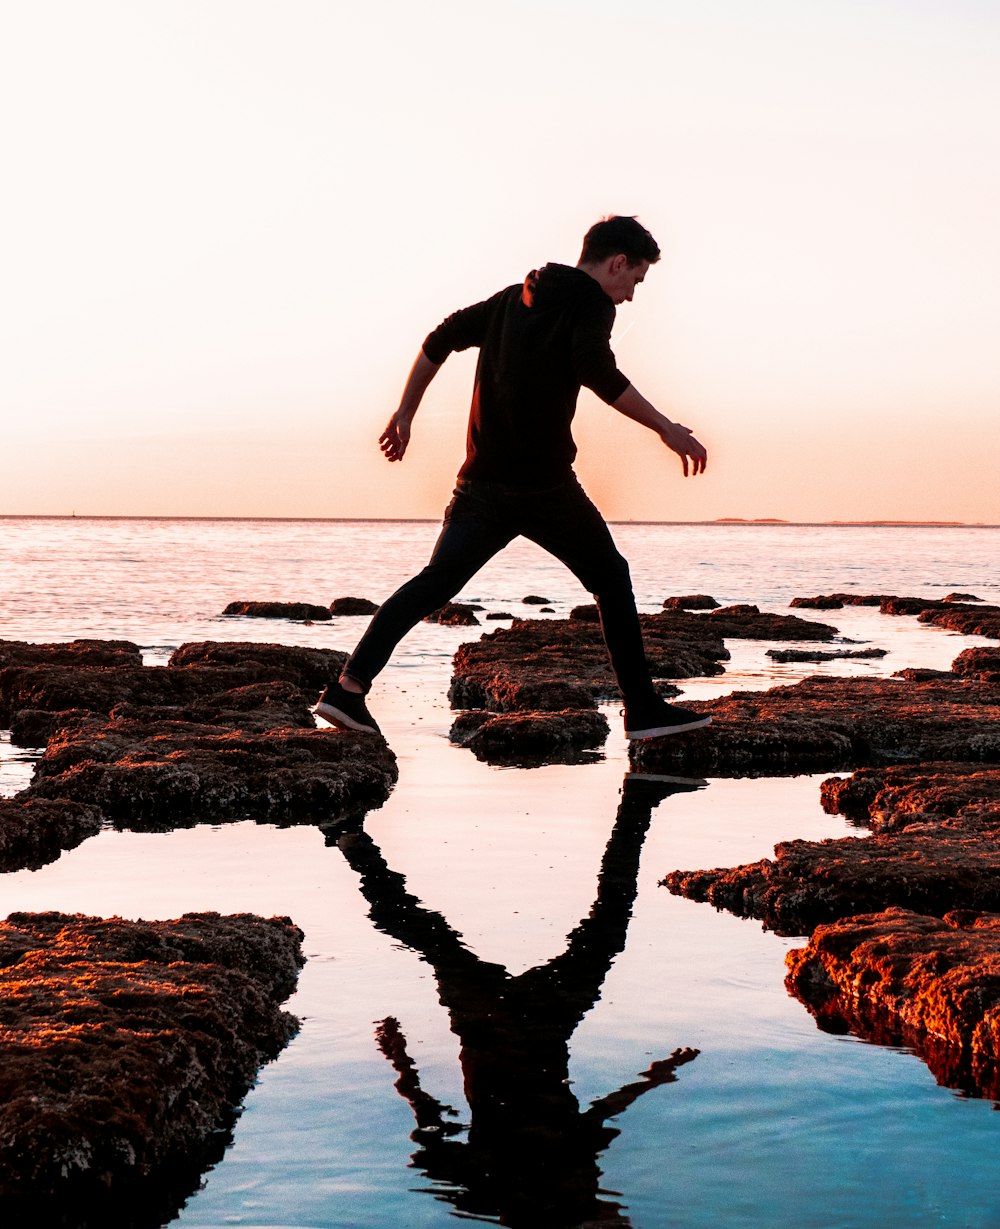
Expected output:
(227, 225)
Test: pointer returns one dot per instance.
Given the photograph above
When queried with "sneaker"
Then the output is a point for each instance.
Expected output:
(655, 718)
(346, 710)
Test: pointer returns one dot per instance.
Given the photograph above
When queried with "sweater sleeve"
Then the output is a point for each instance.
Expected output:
(593, 360)
(460, 330)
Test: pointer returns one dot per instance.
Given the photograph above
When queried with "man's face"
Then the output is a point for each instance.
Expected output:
(623, 279)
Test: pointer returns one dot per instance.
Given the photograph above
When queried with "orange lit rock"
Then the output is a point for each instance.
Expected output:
(525, 737)
(834, 723)
(900, 978)
(125, 1051)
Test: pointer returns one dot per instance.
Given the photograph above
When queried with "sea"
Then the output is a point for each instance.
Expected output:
(491, 1030)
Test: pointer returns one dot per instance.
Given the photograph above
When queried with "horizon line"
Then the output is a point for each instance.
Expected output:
(767, 521)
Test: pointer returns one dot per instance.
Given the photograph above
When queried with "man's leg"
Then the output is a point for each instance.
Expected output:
(568, 525)
(471, 535)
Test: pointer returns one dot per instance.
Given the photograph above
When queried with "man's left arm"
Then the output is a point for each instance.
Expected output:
(678, 439)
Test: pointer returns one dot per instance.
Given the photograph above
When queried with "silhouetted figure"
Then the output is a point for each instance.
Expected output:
(530, 1155)
(539, 343)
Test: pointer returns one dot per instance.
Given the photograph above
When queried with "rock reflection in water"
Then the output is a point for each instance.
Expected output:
(529, 1155)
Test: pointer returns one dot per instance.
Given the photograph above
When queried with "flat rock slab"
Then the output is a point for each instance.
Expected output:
(557, 664)
(937, 848)
(834, 723)
(125, 1051)
(70, 653)
(308, 668)
(531, 737)
(900, 978)
(162, 774)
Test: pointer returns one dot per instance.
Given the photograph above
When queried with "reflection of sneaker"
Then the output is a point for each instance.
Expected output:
(346, 710)
(655, 717)
(651, 788)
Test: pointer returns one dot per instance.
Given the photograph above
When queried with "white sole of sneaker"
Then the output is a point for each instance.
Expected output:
(341, 720)
(661, 731)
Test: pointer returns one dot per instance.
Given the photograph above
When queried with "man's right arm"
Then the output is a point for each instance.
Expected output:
(396, 436)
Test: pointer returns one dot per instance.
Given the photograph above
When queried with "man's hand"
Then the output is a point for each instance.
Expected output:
(680, 440)
(395, 437)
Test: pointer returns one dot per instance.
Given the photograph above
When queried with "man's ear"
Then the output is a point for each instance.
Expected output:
(618, 262)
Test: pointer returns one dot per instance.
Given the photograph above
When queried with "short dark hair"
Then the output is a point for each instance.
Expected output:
(616, 234)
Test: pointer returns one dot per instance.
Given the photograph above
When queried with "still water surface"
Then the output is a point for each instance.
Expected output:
(469, 933)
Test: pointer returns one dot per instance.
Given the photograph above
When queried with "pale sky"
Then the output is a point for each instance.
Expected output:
(227, 225)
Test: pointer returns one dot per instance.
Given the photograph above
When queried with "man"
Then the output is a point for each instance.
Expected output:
(538, 344)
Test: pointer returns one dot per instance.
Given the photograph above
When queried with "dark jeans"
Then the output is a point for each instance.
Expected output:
(482, 518)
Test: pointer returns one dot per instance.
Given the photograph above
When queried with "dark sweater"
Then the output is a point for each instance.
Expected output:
(538, 344)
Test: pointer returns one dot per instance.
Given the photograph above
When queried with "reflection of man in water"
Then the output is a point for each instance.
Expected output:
(530, 1156)
(538, 343)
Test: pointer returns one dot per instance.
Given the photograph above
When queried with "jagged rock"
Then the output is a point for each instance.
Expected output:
(308, 668)
(555, 664)
(523, 737)
(834, 723)
(823, 655)
(164, 774)
(34, 832)
(351, 606)
(899, 978)
(961, 597)
(299, 611)
(454, 614)
(125, 1051)
(936, 849)
(691, 601)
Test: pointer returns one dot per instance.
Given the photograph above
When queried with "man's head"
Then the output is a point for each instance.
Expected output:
(617, 251)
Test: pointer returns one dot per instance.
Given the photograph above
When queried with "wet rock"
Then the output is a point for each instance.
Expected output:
(534, 600)
(163, 773)
(836, 601)
(562, 663)
(936, 848)
(586, 613)
(962, 597)
(499, 614)
(747, 622)
(98, 689)
(527, 737)
(351, 606)
(454, 614)
(932, 984)
(308, 668)
(967, 620)
(787, 655)
(34, 832)
(33, 727)
(979, 663)
(834, 723)
(299, 611)
(125, 1051)
(691, 601)
(70, 653)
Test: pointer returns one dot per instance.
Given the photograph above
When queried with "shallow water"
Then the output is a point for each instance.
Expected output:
(772, 1123)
